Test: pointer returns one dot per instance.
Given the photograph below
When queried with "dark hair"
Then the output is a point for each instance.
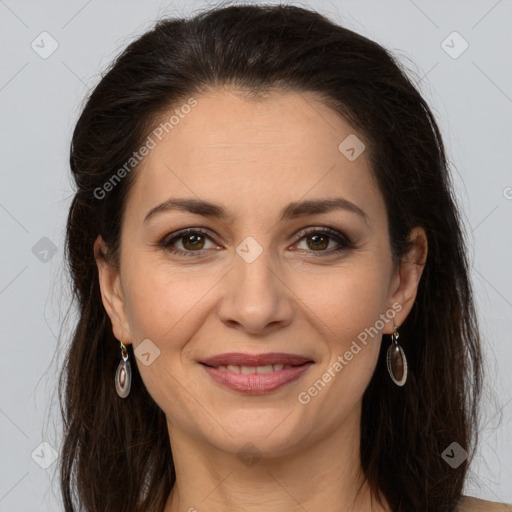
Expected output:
(116, 454)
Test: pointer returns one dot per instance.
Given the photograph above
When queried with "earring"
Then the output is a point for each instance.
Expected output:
(396, 361)
(123, 377)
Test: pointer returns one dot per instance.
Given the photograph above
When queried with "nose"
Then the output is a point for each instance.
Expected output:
(256, 298)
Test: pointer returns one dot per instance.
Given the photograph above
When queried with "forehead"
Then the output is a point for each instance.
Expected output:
(253, 154)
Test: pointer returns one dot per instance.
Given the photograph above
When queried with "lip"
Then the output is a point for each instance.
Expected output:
(291, 367)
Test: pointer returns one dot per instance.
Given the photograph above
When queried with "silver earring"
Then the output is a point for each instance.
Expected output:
(396, 361)
(123, 377)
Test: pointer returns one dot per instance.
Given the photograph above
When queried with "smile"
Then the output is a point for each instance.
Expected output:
(256, 374)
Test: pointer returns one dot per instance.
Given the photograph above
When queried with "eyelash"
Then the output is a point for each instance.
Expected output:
(166, 243)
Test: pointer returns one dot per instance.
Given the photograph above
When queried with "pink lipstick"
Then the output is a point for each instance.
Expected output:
(256, 374)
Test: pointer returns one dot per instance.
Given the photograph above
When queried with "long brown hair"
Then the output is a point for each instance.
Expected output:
(116, 454)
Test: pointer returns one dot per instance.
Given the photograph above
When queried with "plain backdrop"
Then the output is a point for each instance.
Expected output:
(459, 54)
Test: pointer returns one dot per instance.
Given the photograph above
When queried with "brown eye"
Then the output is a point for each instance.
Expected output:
(318, 241)
(192, 241)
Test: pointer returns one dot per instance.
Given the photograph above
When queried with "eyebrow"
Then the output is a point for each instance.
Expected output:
(292, 211)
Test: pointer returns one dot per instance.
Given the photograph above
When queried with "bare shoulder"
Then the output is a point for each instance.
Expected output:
(469, 504)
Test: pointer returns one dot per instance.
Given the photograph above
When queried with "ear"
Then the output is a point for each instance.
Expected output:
(111, 292)
(404, 285)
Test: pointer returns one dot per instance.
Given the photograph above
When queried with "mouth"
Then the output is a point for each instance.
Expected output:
(250, 370)
(256, 374)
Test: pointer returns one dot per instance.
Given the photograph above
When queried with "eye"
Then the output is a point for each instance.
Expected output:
(192, 240)
(318, 240)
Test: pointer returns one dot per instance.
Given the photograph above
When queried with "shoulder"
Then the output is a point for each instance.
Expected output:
(469, 504)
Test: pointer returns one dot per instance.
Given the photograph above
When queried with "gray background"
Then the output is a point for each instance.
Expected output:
(40, 100)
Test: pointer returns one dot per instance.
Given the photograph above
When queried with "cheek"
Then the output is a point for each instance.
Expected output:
(162, 301)
(345, 300)
(349, 311)
(168, 306)
(163, 307)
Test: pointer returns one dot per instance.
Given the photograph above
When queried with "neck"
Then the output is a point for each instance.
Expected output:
(324, 475)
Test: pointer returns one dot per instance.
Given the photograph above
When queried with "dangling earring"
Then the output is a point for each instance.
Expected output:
(397, 363)
(123, 377)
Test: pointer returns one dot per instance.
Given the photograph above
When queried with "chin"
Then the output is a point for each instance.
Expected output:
(269, 432)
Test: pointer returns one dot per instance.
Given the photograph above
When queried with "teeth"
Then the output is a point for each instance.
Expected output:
(264, 369)
(249, 370)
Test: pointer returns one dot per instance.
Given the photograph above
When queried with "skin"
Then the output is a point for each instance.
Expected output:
(254, 157)
(469, 504)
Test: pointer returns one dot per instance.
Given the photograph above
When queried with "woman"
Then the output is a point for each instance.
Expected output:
(275, 310)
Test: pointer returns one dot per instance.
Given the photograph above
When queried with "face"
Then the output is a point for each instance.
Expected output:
(264, 323)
